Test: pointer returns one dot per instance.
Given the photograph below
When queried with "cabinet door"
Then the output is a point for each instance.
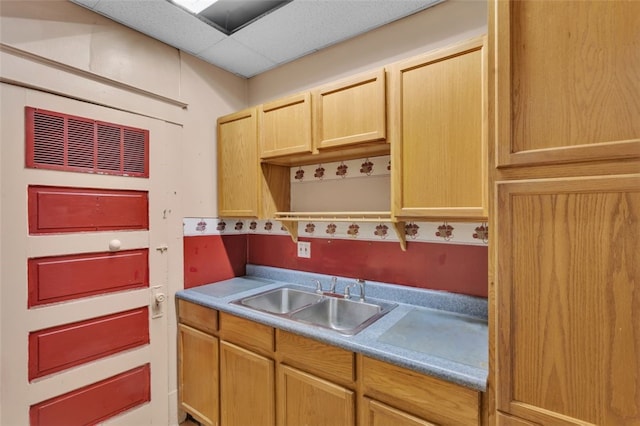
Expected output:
(308, 400)
(238, 180)
(285, 126)
(198, 374)
(442, 402)
(375, 413)
(569, 300)
(568, 87)
(439, 136)
(351, 111)
(247, 387)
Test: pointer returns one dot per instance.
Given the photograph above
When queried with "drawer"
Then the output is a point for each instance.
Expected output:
(435, 400)
(198, 316)
(247, 333)
(314, 357)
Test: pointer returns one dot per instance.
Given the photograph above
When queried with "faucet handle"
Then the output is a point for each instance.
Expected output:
(334, 281)
(347, 291)
(318, 286)
(361, 284)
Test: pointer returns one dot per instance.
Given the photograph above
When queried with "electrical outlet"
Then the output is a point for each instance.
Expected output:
(304, 249)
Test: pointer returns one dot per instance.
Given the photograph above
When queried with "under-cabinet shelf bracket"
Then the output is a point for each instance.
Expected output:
(400, 232)
(292, 227)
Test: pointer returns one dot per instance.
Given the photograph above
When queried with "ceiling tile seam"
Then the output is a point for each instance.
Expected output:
(268, 58)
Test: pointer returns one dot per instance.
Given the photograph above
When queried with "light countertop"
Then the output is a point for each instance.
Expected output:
(440, 334)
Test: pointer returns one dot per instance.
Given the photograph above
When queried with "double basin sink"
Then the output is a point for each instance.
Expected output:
(333, 312)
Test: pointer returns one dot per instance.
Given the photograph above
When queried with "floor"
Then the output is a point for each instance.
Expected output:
(189, 422)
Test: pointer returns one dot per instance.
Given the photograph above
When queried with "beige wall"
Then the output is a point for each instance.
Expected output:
(436, 27)
(75, 52)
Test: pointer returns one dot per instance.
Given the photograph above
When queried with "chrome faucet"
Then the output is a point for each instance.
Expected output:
(359, 283)
(332, 286)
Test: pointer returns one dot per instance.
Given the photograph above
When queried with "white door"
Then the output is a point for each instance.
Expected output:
(20, 394)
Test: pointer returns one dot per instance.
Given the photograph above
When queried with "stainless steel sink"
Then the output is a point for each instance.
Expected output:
(344, 316)
(280, 300)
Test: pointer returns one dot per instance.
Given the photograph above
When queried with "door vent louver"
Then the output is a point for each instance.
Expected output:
(63, 142)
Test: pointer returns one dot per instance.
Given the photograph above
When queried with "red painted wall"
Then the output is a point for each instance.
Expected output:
(211, 258)
(448, 267)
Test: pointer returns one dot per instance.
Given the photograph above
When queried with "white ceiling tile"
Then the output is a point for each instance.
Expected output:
(304, 26)
(294, 30)
(237, 58)
(163, 21)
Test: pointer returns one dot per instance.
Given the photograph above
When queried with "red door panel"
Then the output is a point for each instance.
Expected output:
(60, 278)
(96, 402)
(65, 346)
(55, 209)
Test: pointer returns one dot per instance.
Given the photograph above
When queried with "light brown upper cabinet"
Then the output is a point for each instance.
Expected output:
(238, 181)
(567, 95)
(439, 134)
(351, 111)
(285, 126)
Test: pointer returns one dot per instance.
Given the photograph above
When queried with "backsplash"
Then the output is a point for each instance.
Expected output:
(213, 252)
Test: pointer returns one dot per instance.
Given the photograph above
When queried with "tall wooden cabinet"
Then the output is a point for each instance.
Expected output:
(438, 105)
(566, 212)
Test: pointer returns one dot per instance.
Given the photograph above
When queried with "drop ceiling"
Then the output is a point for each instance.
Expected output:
(295, 29)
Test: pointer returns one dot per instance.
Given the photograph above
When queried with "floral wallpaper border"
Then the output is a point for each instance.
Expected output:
(467, 233)
(374, 166)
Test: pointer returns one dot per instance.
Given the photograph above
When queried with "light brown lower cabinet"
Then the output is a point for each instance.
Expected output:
(433, 400)
(247, 387)
(309, 400)
(317, 384)
(375, 413)
(198, 374)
